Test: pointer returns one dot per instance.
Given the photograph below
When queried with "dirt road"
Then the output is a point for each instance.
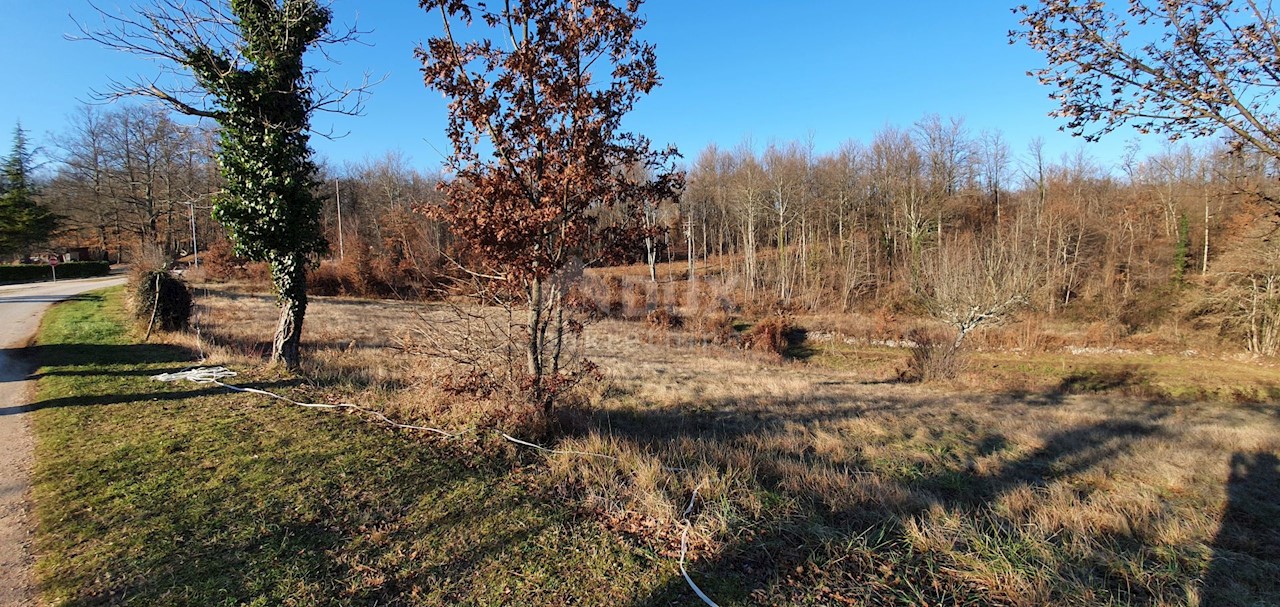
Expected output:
(21, 307)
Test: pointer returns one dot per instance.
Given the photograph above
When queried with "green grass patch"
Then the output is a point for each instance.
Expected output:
(1140, 375)
(177, 494)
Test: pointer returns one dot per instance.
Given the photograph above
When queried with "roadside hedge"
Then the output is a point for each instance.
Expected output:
(35, 272)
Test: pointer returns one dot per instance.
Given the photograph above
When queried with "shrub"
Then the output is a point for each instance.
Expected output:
(715, 326)
(220, 263)
(362, 273)
(637, 301)
(353, 276)
(324, 279)
(615, 298)
(934, 356)
(172, 308)
(772, 335)
(580, 301)
(664, 319)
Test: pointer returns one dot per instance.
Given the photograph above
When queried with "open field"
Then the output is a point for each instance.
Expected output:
(1041, 479)
(1036, 478)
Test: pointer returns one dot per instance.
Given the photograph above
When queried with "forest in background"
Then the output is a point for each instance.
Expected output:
(926, 220)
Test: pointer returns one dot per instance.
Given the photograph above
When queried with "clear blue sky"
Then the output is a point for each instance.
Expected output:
(767, 70)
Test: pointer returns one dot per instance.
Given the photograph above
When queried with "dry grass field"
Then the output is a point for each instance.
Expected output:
(1034, 479)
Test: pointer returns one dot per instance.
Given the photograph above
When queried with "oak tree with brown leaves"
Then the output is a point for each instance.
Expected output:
(542, 178)
(1173, 67)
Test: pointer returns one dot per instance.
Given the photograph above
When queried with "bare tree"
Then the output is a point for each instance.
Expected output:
(749, 189)
(971, 282)
(1175, 67)
(82, 181)
(993, 162)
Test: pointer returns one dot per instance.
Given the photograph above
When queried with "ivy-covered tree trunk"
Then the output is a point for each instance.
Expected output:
(290, 277)
(245, 61)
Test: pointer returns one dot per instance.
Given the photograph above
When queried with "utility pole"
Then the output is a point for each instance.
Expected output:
(195, 248)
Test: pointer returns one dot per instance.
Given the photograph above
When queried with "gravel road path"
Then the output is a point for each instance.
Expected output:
(21, 307)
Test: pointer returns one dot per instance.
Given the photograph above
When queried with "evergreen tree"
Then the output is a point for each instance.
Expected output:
(24, 223)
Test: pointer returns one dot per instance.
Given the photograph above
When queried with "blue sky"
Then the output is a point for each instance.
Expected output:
(765, 70)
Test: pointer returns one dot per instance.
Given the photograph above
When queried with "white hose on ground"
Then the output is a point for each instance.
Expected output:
(215, 375)
(560, 451)
(684, 548)
(567, 452)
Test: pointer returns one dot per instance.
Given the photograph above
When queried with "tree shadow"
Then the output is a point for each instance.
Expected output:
(331, 539)
(1245, 569)
(61, 359)
(1104, 379)
(6, 299)
(136, 397)
(106, 360)
(799, 347)
(764, 562)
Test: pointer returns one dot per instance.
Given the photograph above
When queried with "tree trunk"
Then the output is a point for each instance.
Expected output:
(290, 276)
(1204, 262)
(651, 255)
(533, 349)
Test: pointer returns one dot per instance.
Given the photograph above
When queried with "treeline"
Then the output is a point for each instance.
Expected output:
(899, 220)
(131, 184)
(131, 178)
(931, 219)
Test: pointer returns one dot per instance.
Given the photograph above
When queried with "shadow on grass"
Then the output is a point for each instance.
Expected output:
(798, 345)
(96, 359)
(310, 528)
(237, 500)
(1245, 569)
(139, 397)
(1122, 378)
(90, 361)
(4, 299)
(806, 558)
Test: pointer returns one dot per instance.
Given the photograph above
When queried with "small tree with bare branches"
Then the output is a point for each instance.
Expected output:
(543, 177)
(966, 283)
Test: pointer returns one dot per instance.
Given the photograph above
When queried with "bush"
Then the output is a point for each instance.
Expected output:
(37, 272)
(579, 301)
(221, 264)
(363, 274)
(664, 319)
(172, 309)
(715, 326)
(772, 335)
(934, 356)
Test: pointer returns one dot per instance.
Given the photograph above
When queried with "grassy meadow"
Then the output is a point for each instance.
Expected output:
(1039, 477)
